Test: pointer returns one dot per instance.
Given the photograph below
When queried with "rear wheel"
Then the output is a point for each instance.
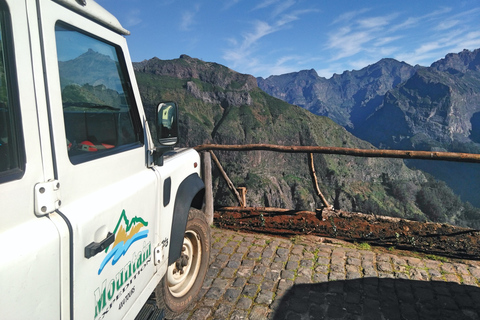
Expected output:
(184, 278)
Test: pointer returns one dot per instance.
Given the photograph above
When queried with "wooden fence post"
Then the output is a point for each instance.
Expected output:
(207, 179)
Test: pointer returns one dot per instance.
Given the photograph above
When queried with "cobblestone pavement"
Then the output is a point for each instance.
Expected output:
(254, 276)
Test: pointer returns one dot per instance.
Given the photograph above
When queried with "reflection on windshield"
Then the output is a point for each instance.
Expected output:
(95, 104)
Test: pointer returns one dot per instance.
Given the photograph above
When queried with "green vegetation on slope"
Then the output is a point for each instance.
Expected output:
(233, 115)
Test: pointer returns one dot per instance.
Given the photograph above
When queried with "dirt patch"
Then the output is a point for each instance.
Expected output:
(431, 238)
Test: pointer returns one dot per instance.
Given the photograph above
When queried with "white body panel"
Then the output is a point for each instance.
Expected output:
(45, 271)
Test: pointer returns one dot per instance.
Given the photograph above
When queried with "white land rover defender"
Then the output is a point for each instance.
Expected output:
(95, 213)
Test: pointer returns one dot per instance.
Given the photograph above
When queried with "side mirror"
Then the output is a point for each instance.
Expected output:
(167, 123)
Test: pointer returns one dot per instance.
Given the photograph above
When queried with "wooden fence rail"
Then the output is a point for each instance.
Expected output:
(373, 153)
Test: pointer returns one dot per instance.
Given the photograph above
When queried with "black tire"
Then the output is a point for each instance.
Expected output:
(178, 290)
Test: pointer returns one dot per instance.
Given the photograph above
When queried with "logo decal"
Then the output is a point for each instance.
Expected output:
(126, 233)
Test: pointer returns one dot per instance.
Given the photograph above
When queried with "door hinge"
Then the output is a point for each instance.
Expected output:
(47, 197)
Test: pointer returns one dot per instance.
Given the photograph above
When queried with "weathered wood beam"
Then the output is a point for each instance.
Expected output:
(374, 153)
(311, 165)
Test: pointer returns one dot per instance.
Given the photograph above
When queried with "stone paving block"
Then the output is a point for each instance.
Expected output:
(228, 273)
(369, 271)
(419, 274)
(401, 275)
(264, 297)
(235, 264)
(452, 278)
(336, 276)
(323, 260)
(238, 315)
(223, 310)
(260, 242)
(268, 285)
(353, 261)
(227, 250)
(258, 313)
(236, 257)
(469, 280)
(254, 255)
(322, 269)
(221, 283)
(244, 303)
(384, 258)
(237, 238)
(217, 245)
(284, 284)
(250, 290)
(268, 253)
(273, 275)
(291, 265)
(475, 271)
(239, 282)
(242, 248)
(208, 302)
(212, 272)
(353, 274)
(302, 280)
(448, 268)
(337, 267)
(304, 272)
(384, 266)
(232, 294)
(255, 279)
(214, 293)
(287, 274)
(260, 270)
(306, 263)
(386, 275)
(320, 277)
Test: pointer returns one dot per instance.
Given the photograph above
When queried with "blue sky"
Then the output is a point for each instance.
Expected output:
(272, 37)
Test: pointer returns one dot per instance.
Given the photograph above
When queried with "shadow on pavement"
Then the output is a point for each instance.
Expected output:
(379, 298)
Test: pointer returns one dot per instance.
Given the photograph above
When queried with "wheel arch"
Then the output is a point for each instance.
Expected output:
(190, 193)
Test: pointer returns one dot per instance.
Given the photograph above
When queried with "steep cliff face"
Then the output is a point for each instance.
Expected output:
(215, 111)
(393, 105)
(348, 99)
(432, 109)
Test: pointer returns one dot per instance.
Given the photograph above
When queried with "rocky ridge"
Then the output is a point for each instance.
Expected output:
(403, 107)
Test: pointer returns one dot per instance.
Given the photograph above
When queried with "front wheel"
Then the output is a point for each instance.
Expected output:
(184, 278)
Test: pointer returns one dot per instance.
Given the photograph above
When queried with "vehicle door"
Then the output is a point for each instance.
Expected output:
(108, 194)
(30, 257)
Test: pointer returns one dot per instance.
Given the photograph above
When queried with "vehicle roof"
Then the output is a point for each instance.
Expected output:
(94, 11)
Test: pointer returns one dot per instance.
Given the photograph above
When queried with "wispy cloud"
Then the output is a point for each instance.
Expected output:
(242, 52)
(264, 4)
(188, 18)
(229, 3)
(133, 18)
(361, 37)
(349, 16)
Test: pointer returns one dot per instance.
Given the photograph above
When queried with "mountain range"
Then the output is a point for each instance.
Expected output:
(394, 105)
(219, 105)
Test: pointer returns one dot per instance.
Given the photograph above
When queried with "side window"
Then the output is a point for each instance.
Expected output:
(11, 153)
(97, 100)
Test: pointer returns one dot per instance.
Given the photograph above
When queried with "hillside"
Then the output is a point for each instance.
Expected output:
(218, 105)
(405, 107)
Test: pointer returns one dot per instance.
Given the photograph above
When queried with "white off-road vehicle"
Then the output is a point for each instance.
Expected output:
(96, 213)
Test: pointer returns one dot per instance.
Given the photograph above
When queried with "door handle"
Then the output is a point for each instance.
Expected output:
(96, 247)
